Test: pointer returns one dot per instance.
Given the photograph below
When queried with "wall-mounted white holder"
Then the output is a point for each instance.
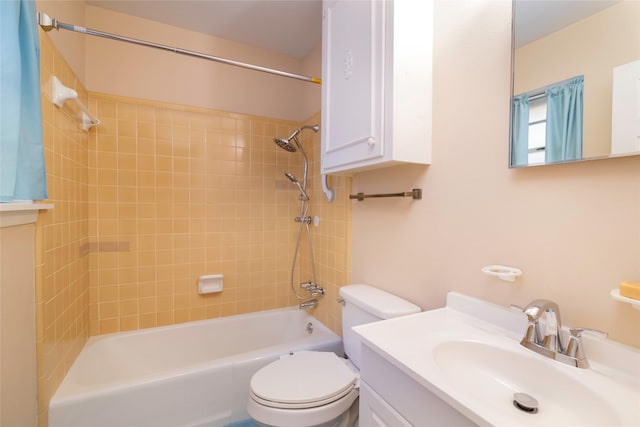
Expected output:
(210, 284)
(329, 193)
(61, 94)
(502, 272)
(615, 294)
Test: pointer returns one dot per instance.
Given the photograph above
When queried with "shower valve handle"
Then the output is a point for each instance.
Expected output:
(312, 288)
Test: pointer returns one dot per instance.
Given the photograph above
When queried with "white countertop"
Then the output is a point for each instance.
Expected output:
(420, 345)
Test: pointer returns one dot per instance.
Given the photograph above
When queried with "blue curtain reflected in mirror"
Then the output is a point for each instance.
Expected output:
(547, 124)
(520, 148)
(564, 121)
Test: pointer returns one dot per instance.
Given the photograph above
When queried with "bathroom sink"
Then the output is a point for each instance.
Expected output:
(468, 356)
(493, 375)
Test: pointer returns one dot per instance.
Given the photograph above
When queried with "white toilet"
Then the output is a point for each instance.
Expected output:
(320, 389)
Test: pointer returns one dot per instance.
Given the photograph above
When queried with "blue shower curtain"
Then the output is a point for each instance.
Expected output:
(564, 121)
(22, 169)
(520, 130)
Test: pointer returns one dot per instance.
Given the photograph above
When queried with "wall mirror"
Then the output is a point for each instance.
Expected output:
(576, 81)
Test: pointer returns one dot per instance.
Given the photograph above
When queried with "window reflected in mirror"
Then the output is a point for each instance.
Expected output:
(537, 130)
(551, 124)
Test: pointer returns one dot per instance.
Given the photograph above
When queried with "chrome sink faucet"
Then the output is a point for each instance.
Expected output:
(552, 338)
(551, 343)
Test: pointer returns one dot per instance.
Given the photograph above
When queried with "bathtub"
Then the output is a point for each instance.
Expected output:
(193, 374)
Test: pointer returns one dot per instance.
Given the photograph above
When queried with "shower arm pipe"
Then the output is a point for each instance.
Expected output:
(306, 162)
(49, 24)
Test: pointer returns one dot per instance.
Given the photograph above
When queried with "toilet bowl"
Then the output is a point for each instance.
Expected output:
(305, 389)
(320, 389)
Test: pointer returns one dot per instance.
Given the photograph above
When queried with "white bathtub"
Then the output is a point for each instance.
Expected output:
(193, 374)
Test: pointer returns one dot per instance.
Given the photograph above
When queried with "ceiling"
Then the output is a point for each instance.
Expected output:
(291, 27)
(537, 18)
(294, 27)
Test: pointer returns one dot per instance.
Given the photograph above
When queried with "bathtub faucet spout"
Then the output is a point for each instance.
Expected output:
(313, 303)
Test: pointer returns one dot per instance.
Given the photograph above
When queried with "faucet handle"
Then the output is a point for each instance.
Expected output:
(574, 348)
(577, 332)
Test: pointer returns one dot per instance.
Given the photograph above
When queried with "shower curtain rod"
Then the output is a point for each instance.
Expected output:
(48, 24)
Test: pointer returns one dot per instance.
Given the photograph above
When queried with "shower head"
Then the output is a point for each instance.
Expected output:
(303, 194)
(285, 143)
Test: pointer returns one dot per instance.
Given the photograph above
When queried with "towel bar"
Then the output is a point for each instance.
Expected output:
(416, 194)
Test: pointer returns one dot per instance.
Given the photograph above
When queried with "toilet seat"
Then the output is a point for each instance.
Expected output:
(303, 380)
(304, 405)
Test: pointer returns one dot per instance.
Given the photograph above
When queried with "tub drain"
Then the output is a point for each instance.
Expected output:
(525, 403)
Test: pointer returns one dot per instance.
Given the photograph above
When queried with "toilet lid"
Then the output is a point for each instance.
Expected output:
(303, 380)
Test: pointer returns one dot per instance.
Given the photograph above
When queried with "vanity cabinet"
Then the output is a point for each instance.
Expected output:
(375, 412)
(376, 83)
(389, 397)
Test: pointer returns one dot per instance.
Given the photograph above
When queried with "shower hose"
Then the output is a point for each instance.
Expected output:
(304, 224)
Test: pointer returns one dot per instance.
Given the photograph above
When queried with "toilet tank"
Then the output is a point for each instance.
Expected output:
(366, 304)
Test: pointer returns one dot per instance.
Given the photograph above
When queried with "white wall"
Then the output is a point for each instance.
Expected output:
(71, 45)
(312, 93)
(573, 229)
(118, 68)
(140, 72)
(18, 373)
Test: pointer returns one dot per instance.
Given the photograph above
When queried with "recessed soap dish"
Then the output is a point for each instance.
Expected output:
(502, 272)
(210, 284)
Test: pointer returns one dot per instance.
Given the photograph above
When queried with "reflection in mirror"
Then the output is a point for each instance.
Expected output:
(576, 81)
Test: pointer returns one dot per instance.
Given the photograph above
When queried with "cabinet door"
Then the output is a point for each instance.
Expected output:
(375, 412)
(352, 93)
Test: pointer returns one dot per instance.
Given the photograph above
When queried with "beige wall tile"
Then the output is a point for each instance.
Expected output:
(63, 313)
(174, 182)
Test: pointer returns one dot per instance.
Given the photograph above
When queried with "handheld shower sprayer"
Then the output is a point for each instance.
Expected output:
(303, 194)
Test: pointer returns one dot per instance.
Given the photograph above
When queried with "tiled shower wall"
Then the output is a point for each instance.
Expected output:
(178, 192)
(62, 262)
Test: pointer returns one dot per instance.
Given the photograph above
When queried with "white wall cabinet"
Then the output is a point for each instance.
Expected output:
(376, 83)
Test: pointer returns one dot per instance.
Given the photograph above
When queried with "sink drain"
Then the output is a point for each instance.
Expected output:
(525, 403)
